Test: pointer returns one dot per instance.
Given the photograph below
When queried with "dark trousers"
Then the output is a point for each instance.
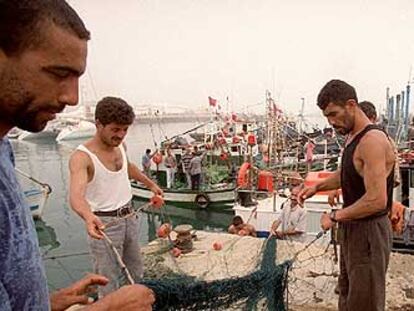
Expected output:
(365, 253)
(195, 181)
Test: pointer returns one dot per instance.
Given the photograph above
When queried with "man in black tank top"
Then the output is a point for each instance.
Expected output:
(366, 178)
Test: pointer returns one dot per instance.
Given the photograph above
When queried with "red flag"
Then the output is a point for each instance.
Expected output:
(212, 101)
(234, 117)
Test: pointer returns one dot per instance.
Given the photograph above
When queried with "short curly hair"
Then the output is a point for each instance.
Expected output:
(337, 92)
(369, 109)
(114, 110)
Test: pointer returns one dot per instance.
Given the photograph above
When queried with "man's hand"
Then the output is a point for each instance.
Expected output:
(333, 198)
(274, 227)
(306, 193)
(76, 293)
(279, 234)
(157, 190)
(128, 298)
(94, 226)
(326, 222)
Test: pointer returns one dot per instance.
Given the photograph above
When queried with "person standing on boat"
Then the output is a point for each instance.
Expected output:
(171, 166)
(100, 191)
(291, 224)
(146, 162)
(196, 169)
(185, 160)
(43, 47)
(366, 178)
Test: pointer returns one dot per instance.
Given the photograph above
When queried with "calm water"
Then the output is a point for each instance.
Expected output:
(62, 235)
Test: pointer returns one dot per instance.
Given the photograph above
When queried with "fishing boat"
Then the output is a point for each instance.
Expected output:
(50, 132)
(217, 186)
(78, 130)
(36, 199)
(264, 207)
(217, 196)
(14, 133)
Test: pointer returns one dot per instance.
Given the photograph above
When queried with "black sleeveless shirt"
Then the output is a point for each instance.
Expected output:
(352, 183)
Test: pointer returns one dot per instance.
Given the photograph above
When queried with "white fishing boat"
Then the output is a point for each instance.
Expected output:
(36, 199)
(79, 130)
(49, 133)
(14, 133)
(267, 207)
(219, 195)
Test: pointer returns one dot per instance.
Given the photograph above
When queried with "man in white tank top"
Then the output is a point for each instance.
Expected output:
(100, 191)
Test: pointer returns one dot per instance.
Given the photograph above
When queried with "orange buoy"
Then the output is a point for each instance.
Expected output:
(221, 141)
(164, 230)
(157, 158)
(157, 201)
(251, 140)
(217, 246)
(224, 156)
(236, 139)
(176, 252)
(242, 176)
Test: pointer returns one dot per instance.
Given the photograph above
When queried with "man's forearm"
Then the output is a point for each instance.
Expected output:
(292, 232)
(331, 183)
(362, 208)
(82, 208)
(135, 174)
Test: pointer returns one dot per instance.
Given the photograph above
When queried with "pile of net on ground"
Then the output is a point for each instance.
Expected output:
(262, 289)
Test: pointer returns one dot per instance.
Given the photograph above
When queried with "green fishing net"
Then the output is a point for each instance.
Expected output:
(262, 289)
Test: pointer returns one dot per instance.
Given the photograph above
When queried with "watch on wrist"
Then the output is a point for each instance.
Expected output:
(332, 216)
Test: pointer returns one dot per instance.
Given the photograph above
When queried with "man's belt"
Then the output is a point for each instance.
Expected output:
(120, 212)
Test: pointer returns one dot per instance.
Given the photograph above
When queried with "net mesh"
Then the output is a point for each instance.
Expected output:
(263, 288)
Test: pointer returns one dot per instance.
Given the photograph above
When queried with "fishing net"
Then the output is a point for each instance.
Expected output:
(265, 286)
(246, 274)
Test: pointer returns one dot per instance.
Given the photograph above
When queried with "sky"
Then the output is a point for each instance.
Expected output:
(178, 52)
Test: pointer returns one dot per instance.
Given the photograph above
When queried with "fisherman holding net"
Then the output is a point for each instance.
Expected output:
(100, 191)
(291, 224)
(366, 179)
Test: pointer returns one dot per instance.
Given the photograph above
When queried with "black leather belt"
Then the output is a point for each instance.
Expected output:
(120, 212)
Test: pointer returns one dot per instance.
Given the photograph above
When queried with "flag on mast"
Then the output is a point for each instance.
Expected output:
(212, 101)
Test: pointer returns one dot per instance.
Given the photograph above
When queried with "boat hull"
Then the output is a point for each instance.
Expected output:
(82, 130)
(36, 199)
(262, 215)
(188, 197)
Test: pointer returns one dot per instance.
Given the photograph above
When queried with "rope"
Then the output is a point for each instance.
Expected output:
(118, 257)
(43, 185)
(318, 236)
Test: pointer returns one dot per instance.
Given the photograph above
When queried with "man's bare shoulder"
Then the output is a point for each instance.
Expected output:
(375, 145)
(79, 158)
(375, 138)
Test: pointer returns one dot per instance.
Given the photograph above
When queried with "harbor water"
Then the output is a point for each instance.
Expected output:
(62, 234)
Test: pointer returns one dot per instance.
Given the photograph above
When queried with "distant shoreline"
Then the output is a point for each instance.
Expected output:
(178, 117)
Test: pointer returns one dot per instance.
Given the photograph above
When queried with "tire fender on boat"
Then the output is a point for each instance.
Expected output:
(202, 200)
